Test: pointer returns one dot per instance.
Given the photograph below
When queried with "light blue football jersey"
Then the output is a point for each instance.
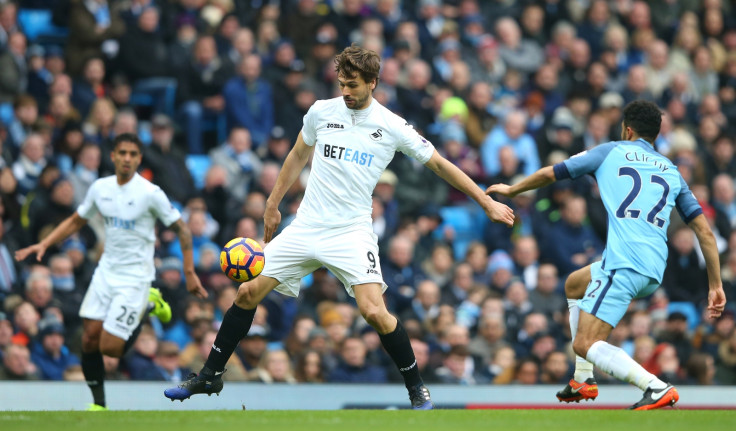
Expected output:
(639, 187)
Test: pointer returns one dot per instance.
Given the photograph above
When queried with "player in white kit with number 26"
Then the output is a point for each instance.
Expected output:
(119, 291)
(353, 139)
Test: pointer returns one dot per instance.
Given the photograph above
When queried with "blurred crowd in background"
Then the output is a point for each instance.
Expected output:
(217, 90)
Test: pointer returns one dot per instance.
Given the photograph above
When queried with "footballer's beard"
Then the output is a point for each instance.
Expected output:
(357, 103)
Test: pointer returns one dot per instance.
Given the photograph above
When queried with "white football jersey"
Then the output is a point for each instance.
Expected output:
(353, 148)
(129, 212)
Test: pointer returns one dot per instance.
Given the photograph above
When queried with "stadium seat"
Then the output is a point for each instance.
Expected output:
(38, 27)
(465, 226)
(157, 93)
(198, 165)
(218, 124)
(688, 309)
(7, 114)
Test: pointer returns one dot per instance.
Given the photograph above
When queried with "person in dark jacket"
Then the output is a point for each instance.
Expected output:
(353, 367)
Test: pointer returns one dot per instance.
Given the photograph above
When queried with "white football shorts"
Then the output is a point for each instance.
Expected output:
(350, 253)
(118, 302)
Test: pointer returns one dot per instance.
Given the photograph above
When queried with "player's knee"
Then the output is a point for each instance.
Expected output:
(246, 297)
(573, 290)
(580, 346)
(90, 342)
(114, 350)
(372, 315)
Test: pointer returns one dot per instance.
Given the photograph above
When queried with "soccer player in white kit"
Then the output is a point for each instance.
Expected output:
(352, 138)
(119, 291)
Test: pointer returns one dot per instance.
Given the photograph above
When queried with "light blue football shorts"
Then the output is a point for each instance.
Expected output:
(611, 291)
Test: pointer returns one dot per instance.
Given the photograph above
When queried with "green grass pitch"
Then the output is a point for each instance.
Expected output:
(371, 420)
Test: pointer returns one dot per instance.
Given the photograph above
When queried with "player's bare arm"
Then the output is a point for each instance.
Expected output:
(194, 286)
(496, 211)
(541, 178)
(69, 226)
(716, 296)
(293, 166)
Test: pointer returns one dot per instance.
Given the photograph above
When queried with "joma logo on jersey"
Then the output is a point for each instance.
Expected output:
(372, 271)
(335, 126)
(377, 135)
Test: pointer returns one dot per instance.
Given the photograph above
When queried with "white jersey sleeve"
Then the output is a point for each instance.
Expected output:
(88, 208)
(309, 129)
(413, 144)
(162, 208)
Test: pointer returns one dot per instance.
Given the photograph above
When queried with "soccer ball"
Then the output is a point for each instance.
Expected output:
(242, 259)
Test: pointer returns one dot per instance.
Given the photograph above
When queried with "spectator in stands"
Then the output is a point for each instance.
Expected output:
(572, 243)
(490, 338)
(17, 364)
(676, 334)
(13, 68)
(500, 370)
(726, 360)
(684, 278)
(249, 100)
(457, 367)
(39, 291)
(636, 85)
(139, 360)
(166, 364)
(501, 267)
(277, 147)
(511, 133)
(353, 367)
(308, 368)
(25, 119)
(200, 91)
(526, 261)
(143, 51)
(274, 367)
(438, 267)
(85, 171)
(555, 368)
(89, 87)
(547, 297)
(526, 372)
(425, 305)
(27, 169)
(242, 165)
(523, 55)
(49, 353)
(167, 162)
(9, 276)
(91, 24)
(400, 273)
(414, 99)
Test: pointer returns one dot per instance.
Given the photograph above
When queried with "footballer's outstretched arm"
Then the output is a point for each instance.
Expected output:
(293, 166)
(541, 178)
(716, 296)
(194, 286)
(446, 170)
(69, 226)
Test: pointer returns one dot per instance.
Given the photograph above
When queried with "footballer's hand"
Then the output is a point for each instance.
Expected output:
(194, 286)
(501, 189)
(716, 302)
(500, 213)
(271, 221)
(23, 253)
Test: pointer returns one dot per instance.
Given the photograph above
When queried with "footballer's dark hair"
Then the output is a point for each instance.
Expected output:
(127, 137)
(644, 118)
(356, 60)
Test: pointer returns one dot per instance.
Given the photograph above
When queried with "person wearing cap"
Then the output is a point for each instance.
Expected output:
(120, 288)
(639, 188)
(48, 351)
(249, 100)
(351, 140)
(166, 161)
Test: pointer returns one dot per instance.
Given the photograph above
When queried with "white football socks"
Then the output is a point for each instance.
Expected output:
(616, 362)
(583, 368)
